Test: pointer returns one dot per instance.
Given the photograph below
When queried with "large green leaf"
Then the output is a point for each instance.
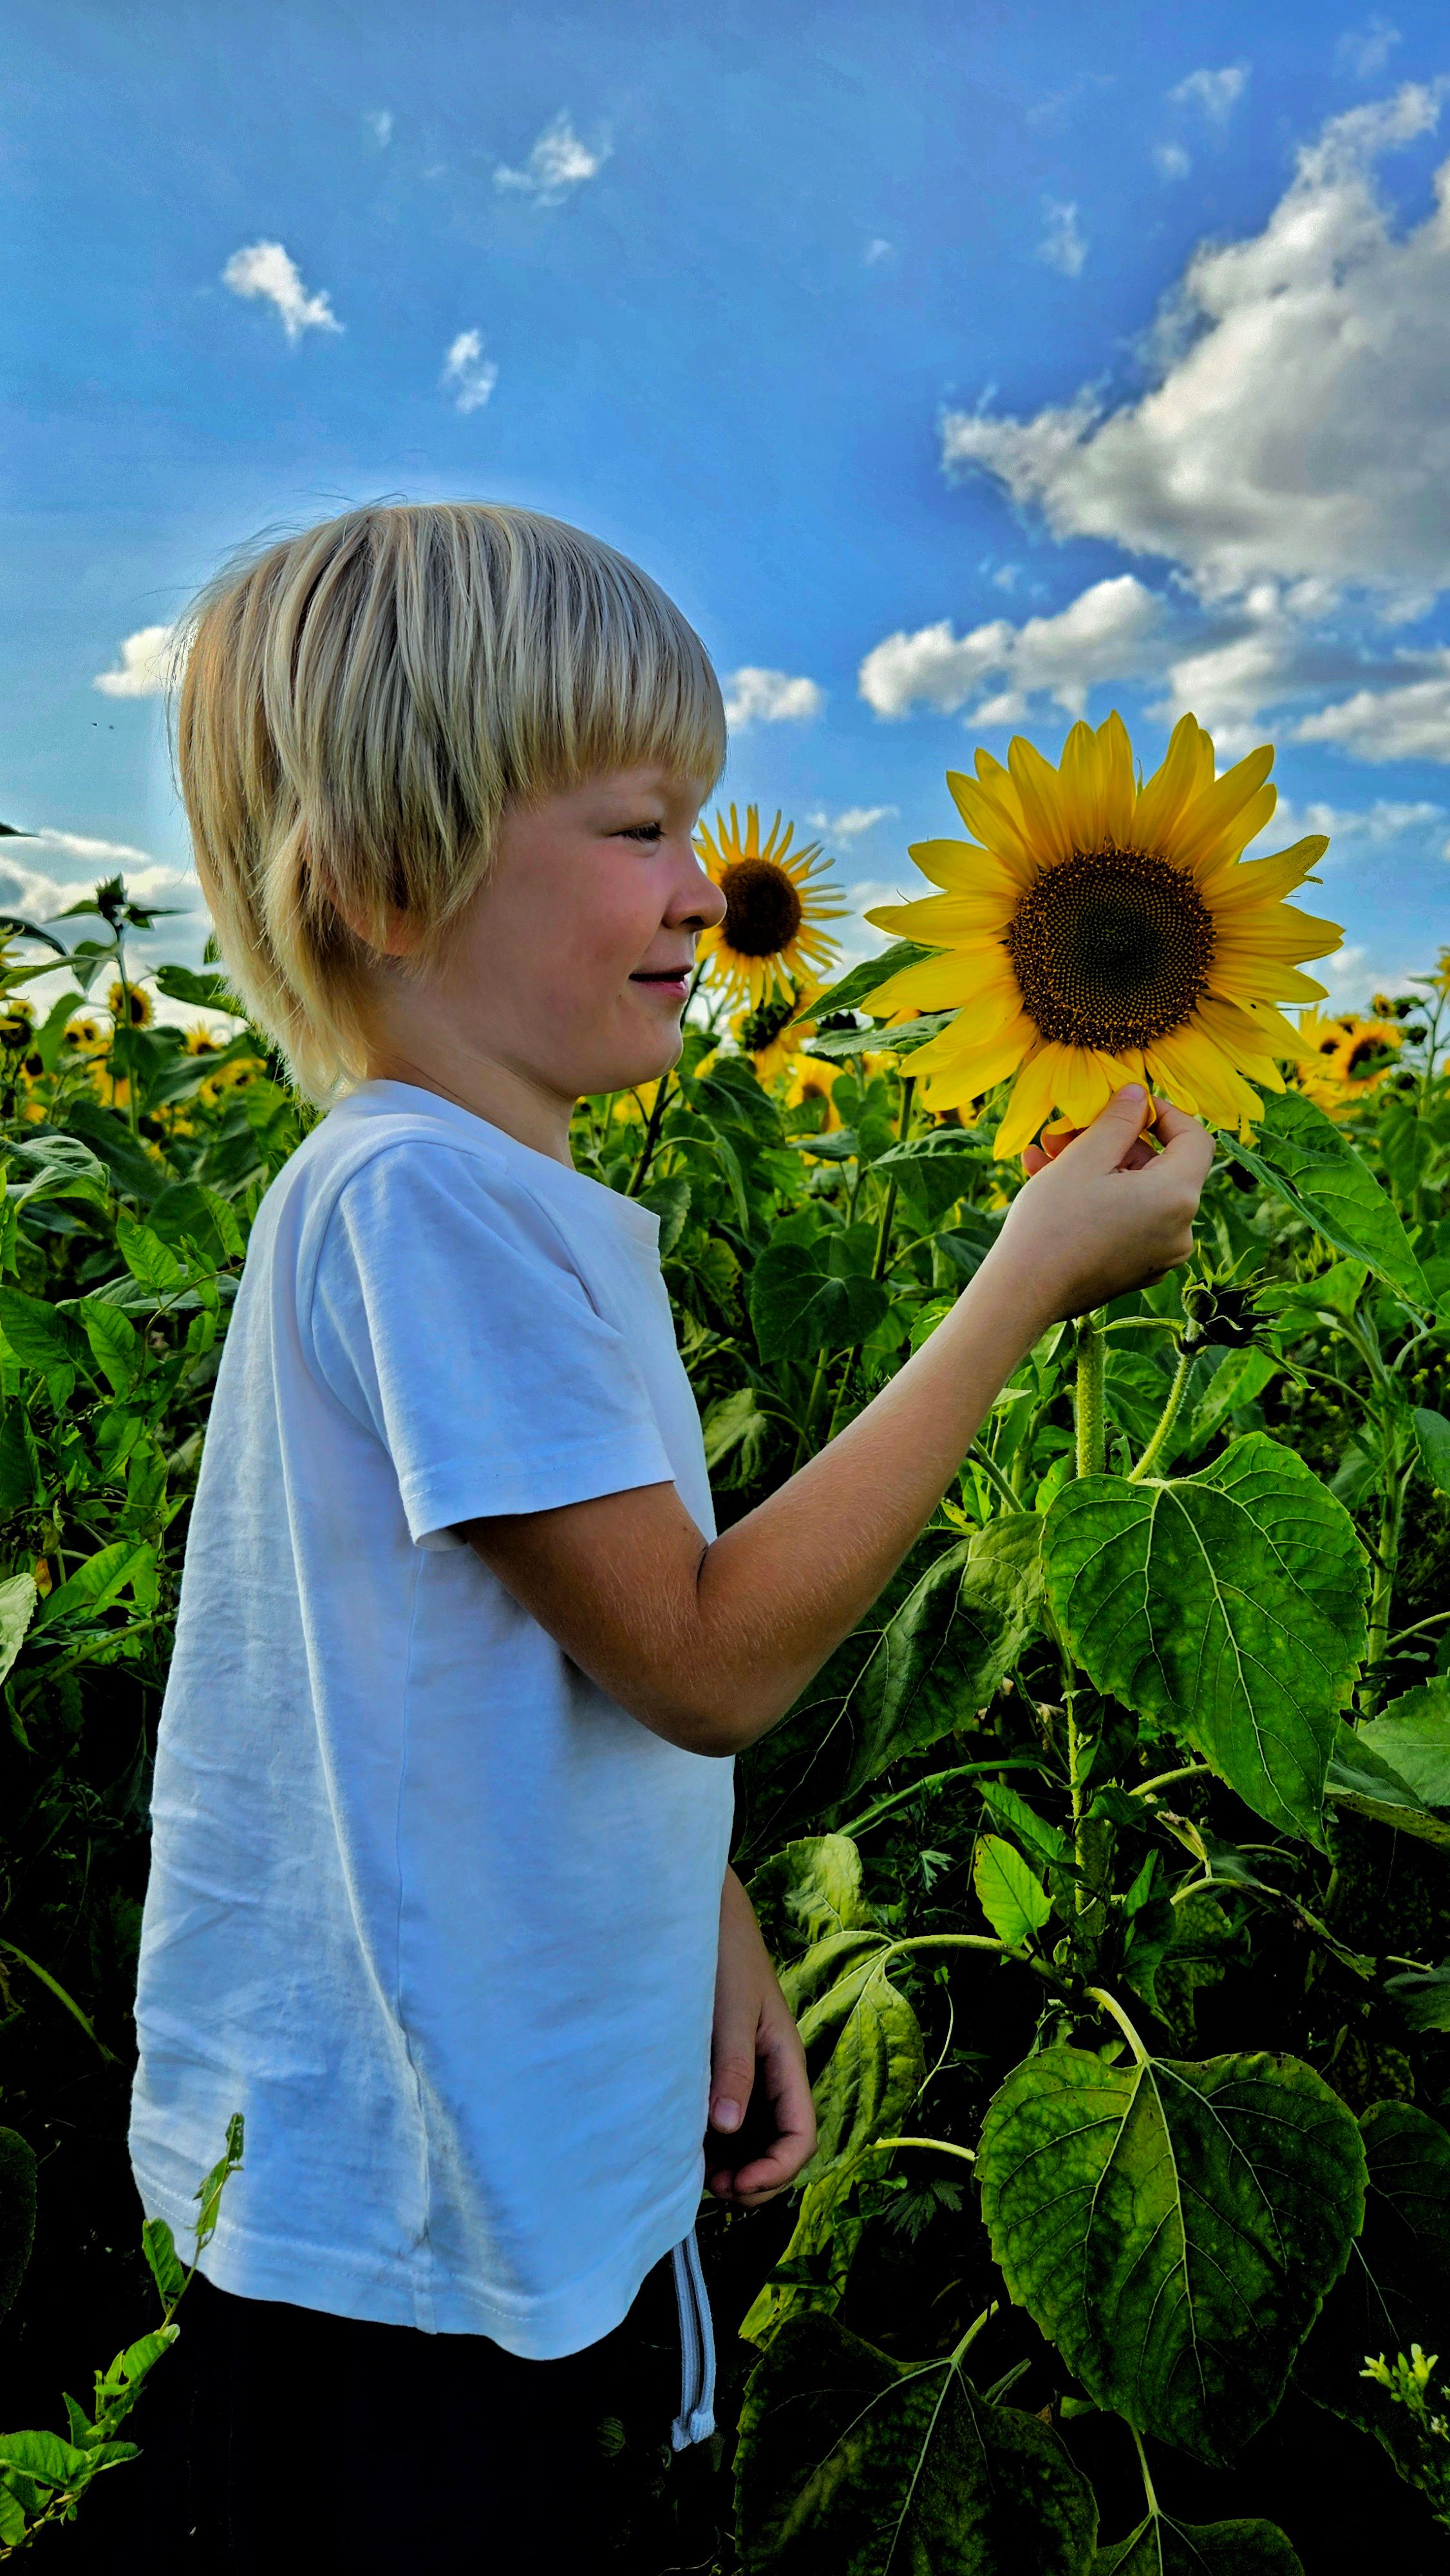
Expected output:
(1412, 1734)
(37, 1335)
(1014, 1902)
(864, 2047)
(1229, 1605)
(1432, 1438)
(852, 2464)
(799, 1308)
(941, 1655)
(1173, 2227)
(816, 2265)
(1309, 1162)
(18, 1597)
(1163, 2548)
(864, 979)
(1360, 1778)
(809, 1890)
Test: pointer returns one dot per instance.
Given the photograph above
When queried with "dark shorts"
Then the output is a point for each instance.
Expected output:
(273, 2433)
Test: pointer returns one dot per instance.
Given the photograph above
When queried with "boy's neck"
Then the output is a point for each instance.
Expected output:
(522, 1108)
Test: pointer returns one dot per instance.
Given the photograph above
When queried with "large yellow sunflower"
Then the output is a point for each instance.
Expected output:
(1098, 932)
(775, 901)
(1345, 1058)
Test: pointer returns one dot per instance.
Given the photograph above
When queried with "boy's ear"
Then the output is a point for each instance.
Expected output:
(388, 933)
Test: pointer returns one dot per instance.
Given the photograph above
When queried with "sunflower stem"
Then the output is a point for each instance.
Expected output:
(1088, 1407)
(640, 1173)
(888, 1209)
(1385, 1561)
(1166, 1418)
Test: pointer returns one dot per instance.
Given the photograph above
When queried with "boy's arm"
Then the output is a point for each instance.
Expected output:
(710, 1643)
(762, 2120)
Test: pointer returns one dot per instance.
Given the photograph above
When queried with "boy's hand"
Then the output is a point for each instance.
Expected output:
(762, 2124)
(1104, 1211)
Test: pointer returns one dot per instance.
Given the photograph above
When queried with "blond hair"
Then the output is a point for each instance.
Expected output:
(359, 706)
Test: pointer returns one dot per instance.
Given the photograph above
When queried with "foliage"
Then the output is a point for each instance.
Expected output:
(1107, 1864)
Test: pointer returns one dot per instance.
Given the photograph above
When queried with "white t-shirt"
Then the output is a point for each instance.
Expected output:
(425, 1904)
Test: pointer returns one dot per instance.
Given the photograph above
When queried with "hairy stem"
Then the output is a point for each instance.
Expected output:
(1386, 1560)
(1166, 1419)
(1091, 1430)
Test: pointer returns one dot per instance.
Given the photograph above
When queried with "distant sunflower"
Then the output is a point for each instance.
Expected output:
(766, 1034)
(775, 902)
(17, 1024)
(128, 1002)
(199, 1041)
(1347, 1057)
(1098, 933)
(812, 1080)
(86, 1035)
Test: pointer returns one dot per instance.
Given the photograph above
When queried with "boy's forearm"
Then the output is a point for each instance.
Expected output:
(779, 1591)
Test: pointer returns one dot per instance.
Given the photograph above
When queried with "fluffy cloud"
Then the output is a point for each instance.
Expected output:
(1364, 51)
(753, 696)
(856, 820)
(1109, 632)
(558, 162)
(145, 671)
(264, 268)
(1214, 94)
(468, 375)
(1408, 721)
(1062, 245)
(1298, 423)
(380, 126)
(1171, 161)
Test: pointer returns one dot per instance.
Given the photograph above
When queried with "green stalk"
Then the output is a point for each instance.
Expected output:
(1091, 1429)
(1166, 1419)
(640, 1173)
(888, 1210)
(803, 1444)
(1392, 1513)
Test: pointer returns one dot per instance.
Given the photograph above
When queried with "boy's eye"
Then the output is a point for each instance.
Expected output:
(650, 832)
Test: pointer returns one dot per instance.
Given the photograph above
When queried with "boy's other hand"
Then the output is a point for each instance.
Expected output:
(762, 2123)
(1105, 1211)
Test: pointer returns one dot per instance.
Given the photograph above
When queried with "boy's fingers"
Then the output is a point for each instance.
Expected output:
(1102, 1146)
(732, 2068)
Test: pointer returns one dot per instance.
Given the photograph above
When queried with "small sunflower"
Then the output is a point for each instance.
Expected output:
(1098, 933)
(766, 1034)
(17, 1026)
(201, 1042)
(1347, 1057)
(812, 1080)
(775, 902)
(127, 1002)
(86, 1035)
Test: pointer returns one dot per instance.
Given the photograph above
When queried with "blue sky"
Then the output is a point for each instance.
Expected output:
(958, 370)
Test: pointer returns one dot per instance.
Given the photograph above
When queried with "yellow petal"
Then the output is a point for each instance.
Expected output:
(1082, 788)
(1279, 1034)
(1084, 1085)
(1232, 883)
(941, 919)
(1186, 1070)
(1030, 1104)
(963, 867)
(1115, 753)
(1208, 821)
(1044, 808)
(1207, 857)
(1263, 980)
(1277, 930)
(942, 983)
(1241, 1038)
(995, 825)
(964, 1073)
(1156, 810)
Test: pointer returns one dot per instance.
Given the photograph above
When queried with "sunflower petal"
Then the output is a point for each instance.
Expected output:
(945, 1062)
(1233, 884)
(938, 919)
(944, 982)
(1206, 857)
(1044, 806)
(995, 824)
(1031, 1103)
(1082, 788)
(1211, 816)
(1119, 787)
(1278, 930)
(1157, 808)
(964, 867)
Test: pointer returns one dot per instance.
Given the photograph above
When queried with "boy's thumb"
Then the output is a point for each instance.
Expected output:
(1106, 1141)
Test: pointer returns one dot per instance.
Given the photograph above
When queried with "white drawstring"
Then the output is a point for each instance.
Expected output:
(695, 2421)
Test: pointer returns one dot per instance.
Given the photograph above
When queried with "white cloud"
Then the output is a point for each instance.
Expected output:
(770, 697)
(1407, 721)
(858, 937)
(146, 661)
(380, 126)
(264, 268)
(467, 374)
(1215, 94)
(1363, 51)
(1171, 161)
(1298, 423)
(558, 162)
(856, 820)
(875, 251)
(1062, 245)
(109, 855)
(1109, 632)
(41, 896)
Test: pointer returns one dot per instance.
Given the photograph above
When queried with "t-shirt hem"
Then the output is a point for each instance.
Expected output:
(473, 1489)
(339, 2282)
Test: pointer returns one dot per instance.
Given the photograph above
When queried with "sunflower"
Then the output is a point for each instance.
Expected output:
(775, 901)
(17, 1024)
(199, 1041)
(1348, 1057)
(1098, 933)
(87, 1036)
(128, 1002)
(812, 1079)
(766, 1034)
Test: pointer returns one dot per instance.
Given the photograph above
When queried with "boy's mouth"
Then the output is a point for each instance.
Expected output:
(665, 979)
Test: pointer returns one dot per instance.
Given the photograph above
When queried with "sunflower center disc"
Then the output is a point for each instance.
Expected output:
(762, 908)
(1111, 949)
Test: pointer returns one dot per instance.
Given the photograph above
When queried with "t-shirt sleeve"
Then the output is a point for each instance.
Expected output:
(448, 1318)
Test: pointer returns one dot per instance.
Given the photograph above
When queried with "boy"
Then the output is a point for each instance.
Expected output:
(440, 1895)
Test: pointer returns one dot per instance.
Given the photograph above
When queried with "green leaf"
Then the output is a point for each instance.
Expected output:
(1360, 1778)
(152, 1264)
(1229, 1605)
(808, 1891)
(17, 2212)
(46, 2458)
(1013, 1901)
(1423, 1996)
(864, 979)
(204, 992)
(1412, 1734)
(799, 1309)
(1173, 2227)
(20, 1484)
(94, 1585)
(932, 1171)
(115, 1347)
(1432, 1436)
(18, 1597)
(737, 1427)
(852, 2464)
(1135, 1390)
(814, 2269)
(670, 1202)
(1046, 1844)
(1311, 1164)
(864, 2044)
(131, 1168)
(36, 1335)
(1394, 2291)
(1163, 2548)
(1240, 1378)
(166, 2267)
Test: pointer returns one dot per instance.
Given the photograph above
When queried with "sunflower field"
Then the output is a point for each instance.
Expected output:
(1107, 1865)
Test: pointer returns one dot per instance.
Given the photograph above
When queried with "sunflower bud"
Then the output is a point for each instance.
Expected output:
(1218, 1313)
